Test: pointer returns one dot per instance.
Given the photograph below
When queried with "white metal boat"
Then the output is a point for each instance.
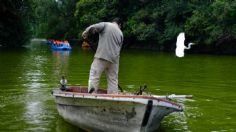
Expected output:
(123, 112)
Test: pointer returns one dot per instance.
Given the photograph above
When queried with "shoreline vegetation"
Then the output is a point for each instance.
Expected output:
(149, 24)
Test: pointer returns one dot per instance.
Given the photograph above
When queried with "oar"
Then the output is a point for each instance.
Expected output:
(121, 89)
(173, 96)
(141, 89)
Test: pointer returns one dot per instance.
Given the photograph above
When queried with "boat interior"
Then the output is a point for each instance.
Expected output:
(83, 89)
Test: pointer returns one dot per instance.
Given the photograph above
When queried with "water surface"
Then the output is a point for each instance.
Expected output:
(27, 77)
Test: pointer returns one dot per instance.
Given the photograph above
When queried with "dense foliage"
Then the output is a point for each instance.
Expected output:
(210, 24)
(14, 23)
(55, 19)
(160, 21)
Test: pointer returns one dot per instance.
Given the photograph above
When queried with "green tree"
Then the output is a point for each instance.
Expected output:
(215, 24)
(55, 19)
(146, 21)
(14, 25)
(90, 12)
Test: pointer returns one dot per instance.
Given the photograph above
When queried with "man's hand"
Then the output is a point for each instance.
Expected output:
(85, 35)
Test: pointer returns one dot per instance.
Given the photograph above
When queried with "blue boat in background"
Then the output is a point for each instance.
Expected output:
(59, 45)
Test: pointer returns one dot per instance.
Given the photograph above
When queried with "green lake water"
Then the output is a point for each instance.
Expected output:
(27, 77)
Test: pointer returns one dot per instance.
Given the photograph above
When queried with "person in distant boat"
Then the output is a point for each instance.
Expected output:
(63, 83)
(107, 54)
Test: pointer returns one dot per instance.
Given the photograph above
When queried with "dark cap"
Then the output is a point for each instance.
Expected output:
(118, 21)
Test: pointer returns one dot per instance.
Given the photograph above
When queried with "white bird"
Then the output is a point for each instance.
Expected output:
(180, 47)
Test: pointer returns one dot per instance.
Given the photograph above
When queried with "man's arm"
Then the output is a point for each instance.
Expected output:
(95, 28)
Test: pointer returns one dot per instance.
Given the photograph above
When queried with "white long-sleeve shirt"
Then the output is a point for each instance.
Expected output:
(110, 41)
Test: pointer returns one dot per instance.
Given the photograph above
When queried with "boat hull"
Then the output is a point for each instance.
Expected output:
(119, 114)
(60, 47)
(98, 117)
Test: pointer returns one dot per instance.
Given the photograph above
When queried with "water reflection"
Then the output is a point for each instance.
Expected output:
(33, 109)
(34, 105)
(60, 61)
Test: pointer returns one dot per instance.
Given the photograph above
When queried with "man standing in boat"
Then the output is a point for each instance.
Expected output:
(107, 54)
